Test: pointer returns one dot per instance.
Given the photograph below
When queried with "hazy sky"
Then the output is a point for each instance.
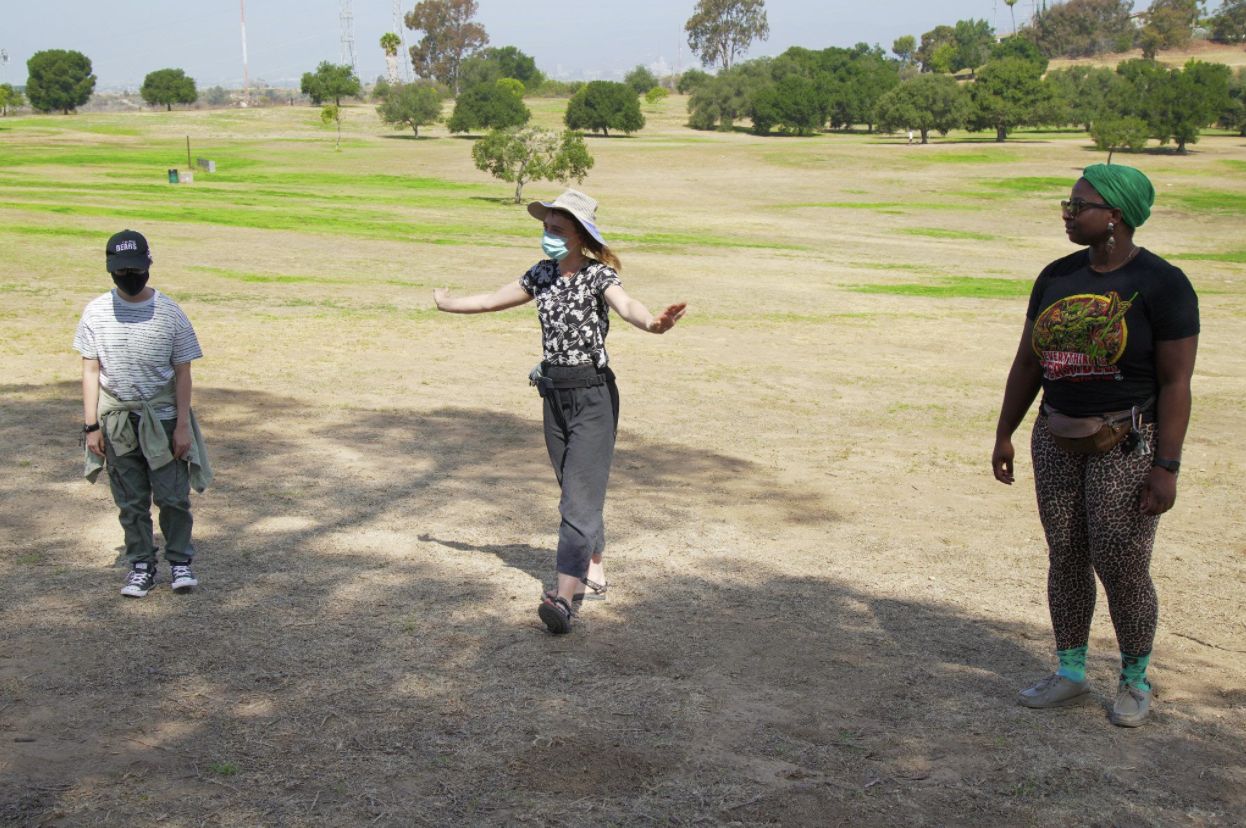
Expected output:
(126, 39)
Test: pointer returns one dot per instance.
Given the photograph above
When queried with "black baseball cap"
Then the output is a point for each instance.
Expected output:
(128, 249)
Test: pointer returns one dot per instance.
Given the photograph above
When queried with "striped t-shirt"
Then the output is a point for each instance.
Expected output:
(137, 345)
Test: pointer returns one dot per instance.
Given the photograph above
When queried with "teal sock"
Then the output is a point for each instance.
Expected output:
(1133, 670)
(1073, 663)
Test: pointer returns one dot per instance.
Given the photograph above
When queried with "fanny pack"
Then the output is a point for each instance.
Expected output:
(1095, 435)
(549, 378)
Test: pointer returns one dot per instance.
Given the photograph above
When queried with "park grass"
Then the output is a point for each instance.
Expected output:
(1232, 256)
(953, 287)
(1204, 201)
(943, 233)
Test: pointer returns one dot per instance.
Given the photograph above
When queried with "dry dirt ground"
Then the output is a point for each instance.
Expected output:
(821, 604)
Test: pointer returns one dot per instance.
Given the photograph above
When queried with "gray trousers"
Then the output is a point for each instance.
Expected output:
(135, 486)
(580, 426)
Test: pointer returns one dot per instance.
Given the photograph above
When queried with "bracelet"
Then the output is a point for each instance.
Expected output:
(1173, 466)
(87, 429)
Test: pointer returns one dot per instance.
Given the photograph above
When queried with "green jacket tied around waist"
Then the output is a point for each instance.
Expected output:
(114, 420)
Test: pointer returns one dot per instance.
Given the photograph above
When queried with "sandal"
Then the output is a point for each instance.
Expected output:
(557, 614)
(598, 590)
(576, 600)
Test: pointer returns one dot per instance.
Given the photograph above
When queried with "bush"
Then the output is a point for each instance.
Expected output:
(1113, 134)
(656, 94)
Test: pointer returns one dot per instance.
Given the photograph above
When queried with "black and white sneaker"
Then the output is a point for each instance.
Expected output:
(141, 579)
(183, 579)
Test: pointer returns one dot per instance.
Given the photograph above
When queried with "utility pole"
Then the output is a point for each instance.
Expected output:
(400, 29)
(246, 80)
(348, 36)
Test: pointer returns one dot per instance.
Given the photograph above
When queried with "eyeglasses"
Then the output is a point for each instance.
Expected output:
(1076, 205)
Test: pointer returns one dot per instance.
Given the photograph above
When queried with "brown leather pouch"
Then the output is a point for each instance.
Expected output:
(1088, 435)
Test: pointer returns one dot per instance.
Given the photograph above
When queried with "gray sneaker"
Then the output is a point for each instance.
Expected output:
(1054, 691)
(1133, 705)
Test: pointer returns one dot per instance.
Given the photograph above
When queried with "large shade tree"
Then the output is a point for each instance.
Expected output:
(59, 79)
(925, 102)
(451, 35)
(601, 106)
(165, 87)
(411, 105)
(330, 82)
(720, 31)
(532, 154)
(494, 105)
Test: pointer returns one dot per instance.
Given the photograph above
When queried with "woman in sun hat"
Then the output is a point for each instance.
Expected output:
(574, 288)
(1110, 337)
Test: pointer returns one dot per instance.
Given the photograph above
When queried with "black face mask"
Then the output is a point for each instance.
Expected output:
(131, 284)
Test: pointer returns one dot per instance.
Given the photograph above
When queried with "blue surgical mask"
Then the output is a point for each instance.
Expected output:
(554, 247)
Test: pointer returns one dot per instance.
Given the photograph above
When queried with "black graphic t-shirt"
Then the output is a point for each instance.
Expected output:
(1095, 333)
(573, 312)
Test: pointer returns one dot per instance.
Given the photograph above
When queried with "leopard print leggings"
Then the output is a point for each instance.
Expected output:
(1089, 508)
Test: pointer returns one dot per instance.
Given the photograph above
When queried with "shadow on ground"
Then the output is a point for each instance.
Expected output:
(365, 651)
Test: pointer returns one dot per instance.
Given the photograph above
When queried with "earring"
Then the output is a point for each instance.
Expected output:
(1111, 245)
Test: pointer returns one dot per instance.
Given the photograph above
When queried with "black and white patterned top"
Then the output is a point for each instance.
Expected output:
(573, 312)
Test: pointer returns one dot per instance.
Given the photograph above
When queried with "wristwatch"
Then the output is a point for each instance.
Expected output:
(1173, 466)
(87, 429)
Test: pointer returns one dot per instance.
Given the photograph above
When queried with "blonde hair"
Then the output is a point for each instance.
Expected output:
(596, 249)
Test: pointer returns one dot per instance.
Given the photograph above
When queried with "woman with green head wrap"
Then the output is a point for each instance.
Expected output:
(1110, 339)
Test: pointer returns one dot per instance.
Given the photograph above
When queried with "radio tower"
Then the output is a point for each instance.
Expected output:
(400, 29)
(246, 81)
(348, 36)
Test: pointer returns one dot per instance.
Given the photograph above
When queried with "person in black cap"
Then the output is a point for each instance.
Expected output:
(574, 287)
(137, 346)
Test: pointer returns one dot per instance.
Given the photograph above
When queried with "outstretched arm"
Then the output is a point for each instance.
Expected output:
(507, 296)
(636, 313)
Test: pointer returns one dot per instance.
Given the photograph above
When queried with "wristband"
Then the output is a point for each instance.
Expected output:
(1173, 466)
(87, 429)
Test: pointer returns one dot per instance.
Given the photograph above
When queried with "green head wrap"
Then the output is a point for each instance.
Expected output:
(1125, 188)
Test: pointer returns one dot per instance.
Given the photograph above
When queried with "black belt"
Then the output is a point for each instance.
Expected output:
(562, 377)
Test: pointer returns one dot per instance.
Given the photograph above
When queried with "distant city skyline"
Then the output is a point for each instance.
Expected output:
(126, 39)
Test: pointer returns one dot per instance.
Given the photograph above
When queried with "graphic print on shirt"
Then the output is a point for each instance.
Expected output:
(1082, 337)
(575, 319)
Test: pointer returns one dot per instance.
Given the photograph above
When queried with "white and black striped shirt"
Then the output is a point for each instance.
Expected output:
(137, 344)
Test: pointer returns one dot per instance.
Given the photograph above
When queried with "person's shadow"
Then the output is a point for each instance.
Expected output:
(530, 560)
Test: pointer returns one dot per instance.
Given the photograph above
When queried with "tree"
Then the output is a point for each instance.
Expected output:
(905, 48)
(332, 114)
(1176, 103)
(719, 31)
(389, 44)
(1234, 116)
(217, 96)
(1007, 93)
(411, 105)
(641, 80)
(790, 104)
(724, 98)
(656, 94)
(10, 98)
(1019, 47)
(1113, 134)
(1085, 95)
(691, 80)
(532, 154)
(1082, 28)
(973, 39)
(937, 49)
(1229, 23)
(1169, 25)
(924, 102)
(492, 64)
(601, 106)
(1013, 12)
(59, 79)
(451, 35)
(167, 87)
(489, 106)
(330, 82)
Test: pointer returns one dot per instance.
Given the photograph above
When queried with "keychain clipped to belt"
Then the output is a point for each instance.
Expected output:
(1134, 442)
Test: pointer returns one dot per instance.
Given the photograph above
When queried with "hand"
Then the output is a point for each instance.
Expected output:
(181, 439)
(440, 297)
(1159, 492)
(95, 442)
(1001, 460)
(666, 320)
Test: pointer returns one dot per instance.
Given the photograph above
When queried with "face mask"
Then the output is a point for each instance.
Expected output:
(554, 247)
(131, 284)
